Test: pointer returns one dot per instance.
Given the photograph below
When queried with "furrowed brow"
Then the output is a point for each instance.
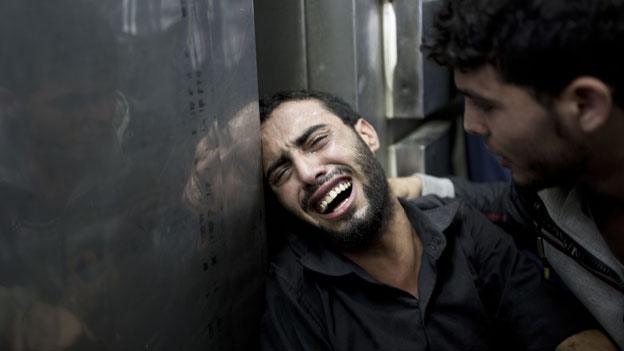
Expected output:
(299, 143)
(301, 140)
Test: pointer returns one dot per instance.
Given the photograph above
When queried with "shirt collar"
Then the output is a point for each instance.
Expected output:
(429, 222)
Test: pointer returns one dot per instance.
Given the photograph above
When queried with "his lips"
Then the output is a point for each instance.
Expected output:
(322, 200)
(332, 198)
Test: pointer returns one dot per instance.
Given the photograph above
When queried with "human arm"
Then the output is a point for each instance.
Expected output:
(421, 185)
(501, 202)
(406, 187)
(538, 314)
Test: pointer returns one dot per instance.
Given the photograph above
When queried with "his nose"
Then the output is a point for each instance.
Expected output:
(473, 122)
(309, 168)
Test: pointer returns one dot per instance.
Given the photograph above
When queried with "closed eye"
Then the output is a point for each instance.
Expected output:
(317, 142)
(484, 106)
(280, 175)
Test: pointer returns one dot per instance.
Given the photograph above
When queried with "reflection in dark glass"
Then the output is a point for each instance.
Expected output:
(97, 249)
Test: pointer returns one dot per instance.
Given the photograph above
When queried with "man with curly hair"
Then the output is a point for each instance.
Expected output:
(544, 86)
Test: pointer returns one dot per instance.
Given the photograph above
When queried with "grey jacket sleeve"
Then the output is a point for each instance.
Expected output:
(496, 198)
(501, 202)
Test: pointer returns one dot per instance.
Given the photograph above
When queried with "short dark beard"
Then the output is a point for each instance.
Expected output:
(552, 175)
(565, 171)
(362, 232)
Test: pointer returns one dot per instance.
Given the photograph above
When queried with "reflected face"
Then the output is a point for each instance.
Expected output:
(71, 116)
(528, 138)
(324, 173)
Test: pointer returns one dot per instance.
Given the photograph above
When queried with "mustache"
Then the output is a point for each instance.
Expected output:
(310, 189)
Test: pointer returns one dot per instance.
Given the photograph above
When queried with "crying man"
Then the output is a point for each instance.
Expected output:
(365, 270)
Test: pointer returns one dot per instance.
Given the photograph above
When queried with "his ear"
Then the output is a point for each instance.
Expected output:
(367, 132)
(591, 100)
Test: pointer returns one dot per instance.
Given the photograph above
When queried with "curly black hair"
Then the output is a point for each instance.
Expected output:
(334, 104)
(539, 44)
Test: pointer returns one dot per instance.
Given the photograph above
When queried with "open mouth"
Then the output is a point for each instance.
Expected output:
(336, 196)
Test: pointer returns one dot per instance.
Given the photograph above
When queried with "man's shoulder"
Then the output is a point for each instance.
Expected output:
(304, 264)
(429, 202)
(458, 219)
(285, 267)
(445, 210)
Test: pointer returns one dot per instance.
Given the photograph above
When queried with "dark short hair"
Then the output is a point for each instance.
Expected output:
(333, 103)
(540, 44)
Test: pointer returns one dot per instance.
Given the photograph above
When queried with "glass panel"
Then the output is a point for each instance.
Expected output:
(130, 184)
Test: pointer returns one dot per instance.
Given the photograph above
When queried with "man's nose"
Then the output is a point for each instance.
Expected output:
(473, 122)
(309, 169)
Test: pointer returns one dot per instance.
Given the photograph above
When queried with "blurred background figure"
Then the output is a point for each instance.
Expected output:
(204, 177)
(63, 123)
(61, 114)
(101, 106)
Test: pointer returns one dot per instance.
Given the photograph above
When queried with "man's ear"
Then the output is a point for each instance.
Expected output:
(590, 102)
(367, 132)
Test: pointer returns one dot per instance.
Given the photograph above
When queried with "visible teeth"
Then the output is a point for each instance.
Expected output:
(332, 195)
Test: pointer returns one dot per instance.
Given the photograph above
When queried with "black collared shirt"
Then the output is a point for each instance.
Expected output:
(476, 292)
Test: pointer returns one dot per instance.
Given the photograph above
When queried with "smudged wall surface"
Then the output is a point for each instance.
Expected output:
(130, 183)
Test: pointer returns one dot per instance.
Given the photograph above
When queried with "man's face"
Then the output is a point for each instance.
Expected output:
(324, 173)
(535, 142)
(71, 117)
